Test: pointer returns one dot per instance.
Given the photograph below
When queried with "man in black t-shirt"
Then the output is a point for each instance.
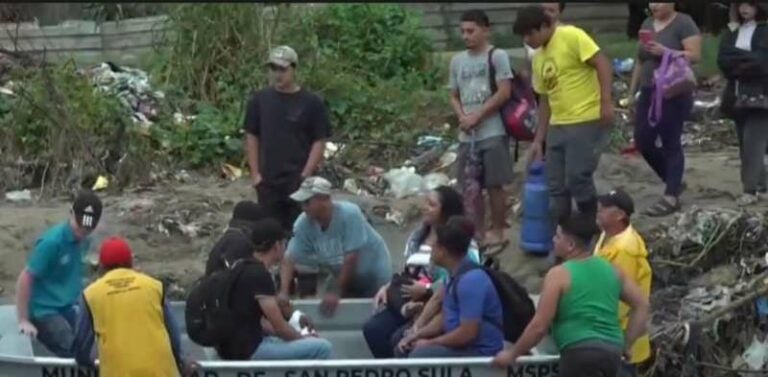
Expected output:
(254, 298)
(286, 128)
(236, 239)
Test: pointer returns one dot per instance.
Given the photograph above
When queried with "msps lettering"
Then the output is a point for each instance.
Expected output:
(534, 370)
(69, 372)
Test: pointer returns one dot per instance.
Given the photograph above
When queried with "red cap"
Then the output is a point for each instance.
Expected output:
(115, 252)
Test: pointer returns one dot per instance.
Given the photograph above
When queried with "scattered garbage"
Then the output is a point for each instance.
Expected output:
(623, 65)
(19, 196)
(132, 88)
(435, 180)
(231, 172)
(404, 182)
(101, 183)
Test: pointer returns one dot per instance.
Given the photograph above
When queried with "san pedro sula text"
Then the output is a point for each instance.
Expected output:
(527, 370)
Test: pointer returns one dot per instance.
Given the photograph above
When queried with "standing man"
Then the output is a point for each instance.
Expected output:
(335, 236)
(580, 302)
(285, 131)
(477, 107)
(621, 245)
(553, 10)
(573, 80)
(128, 312)
(48, 287)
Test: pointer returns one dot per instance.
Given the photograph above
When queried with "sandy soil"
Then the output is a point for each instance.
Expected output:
(172, 227)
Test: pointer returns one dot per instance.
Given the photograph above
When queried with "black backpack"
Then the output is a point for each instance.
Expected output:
(209, 317)
(517, 307)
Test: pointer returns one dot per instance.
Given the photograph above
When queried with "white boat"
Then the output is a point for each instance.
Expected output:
(22, 357)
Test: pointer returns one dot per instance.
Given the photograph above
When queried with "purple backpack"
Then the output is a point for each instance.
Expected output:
(673, 77)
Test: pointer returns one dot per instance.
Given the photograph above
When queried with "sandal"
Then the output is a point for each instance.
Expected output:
(493, 249)
(663, 208)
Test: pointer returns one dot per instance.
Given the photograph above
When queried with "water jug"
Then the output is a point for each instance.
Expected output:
(536, 231)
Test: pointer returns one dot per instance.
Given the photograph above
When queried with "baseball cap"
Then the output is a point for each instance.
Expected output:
(267, 231)
(310, 187)
(115, 252)
(87, 209)
(283, 56)
(619, 199)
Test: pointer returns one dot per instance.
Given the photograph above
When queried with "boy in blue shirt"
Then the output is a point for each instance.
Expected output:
(337, 236)
(51, 282)
(471, 321)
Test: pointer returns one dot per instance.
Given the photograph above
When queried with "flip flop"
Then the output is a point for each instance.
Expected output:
(663, 208)
(493, 249)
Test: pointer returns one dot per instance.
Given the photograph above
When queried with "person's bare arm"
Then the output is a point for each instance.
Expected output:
(456, 104)
(252, 152)
(639, 308)
(493, 104)
(431, 308)
(315, 158)
(23, 291)
(274, 316)
(462, 336)
(545, 311)
(692, 48)
(344, 279)
(544, 115)
(287, 270)
(432, 329)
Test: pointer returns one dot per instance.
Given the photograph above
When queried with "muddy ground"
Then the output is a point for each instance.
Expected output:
(173, 226)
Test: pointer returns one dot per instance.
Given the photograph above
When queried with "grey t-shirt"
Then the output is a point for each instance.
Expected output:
(672, 36)
(470, 76)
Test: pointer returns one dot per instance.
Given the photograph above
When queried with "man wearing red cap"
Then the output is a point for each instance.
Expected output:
(137, 332)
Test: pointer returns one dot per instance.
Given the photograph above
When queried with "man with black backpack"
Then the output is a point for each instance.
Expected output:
(481, 307)
(237, 237)
(225, 310)
(477, 104)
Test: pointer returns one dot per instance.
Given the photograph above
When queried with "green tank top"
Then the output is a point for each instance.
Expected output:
(589, 311)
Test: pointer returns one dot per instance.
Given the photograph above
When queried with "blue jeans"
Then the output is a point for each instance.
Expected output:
(378, 332)
(274, 348)
(57, 331)
(431, 352)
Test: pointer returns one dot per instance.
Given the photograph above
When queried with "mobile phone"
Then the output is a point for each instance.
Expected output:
(645, 36)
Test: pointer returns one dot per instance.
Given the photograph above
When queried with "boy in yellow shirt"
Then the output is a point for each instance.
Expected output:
(620, 244)
(573, 79)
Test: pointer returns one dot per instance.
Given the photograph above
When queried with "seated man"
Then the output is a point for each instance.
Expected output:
(254, 303)
(49, 286)
(335, 235)
(236, 236)
(471, 321)
(128, 313)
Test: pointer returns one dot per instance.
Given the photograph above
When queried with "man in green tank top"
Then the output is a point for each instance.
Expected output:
(579, 302)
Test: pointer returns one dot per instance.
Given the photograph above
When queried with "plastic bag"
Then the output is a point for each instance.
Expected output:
(404, 182)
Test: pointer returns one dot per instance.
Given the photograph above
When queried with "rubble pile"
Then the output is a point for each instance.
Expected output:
(710, 281)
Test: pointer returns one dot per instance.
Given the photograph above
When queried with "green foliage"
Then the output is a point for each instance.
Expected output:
(370, 62)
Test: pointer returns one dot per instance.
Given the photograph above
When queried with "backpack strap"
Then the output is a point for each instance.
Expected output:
(454, 283)
(492, 72)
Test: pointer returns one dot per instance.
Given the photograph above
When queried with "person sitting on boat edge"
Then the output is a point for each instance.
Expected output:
(236, 236)
(129, 314)
(580, 302)
(254, 299)
(335, 235)
(48, 287)
(470, 324)
(439, 205)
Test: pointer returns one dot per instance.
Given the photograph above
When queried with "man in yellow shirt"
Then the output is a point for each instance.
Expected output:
(128, 313)
(621, 245)
(573, 80)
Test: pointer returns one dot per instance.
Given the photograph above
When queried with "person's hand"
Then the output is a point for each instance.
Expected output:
(505, 358)
(306, 322)
(27, 328)
(189, 368)
(607, 114)
(406, 344)
(283, 299)
(255, 179)
(627, 353)
(381, 297)
(535, 152)
(655, 48)
(414, 291)
(469, 121)
(329, 304)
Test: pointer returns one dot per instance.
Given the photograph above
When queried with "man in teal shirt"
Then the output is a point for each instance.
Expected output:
(335, 235)
(51, 282)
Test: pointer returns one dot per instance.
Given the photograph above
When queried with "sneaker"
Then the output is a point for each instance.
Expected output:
(747, 200)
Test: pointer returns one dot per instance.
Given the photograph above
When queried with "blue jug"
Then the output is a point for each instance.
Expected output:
(536, 230)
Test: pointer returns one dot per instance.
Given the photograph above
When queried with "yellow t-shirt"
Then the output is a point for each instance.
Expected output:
(561, 73)
(627, 251)
(127, 311)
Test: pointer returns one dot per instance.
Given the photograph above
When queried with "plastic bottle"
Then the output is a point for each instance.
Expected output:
(536, 231)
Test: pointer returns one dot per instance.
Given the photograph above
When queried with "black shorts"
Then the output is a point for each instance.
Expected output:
(589, 362)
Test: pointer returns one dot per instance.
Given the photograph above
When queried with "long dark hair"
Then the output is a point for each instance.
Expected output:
(760, 15)
(451, 204)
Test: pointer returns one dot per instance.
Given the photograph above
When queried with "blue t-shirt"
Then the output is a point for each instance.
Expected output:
(57, 266)
(475, 298)
(348, 232)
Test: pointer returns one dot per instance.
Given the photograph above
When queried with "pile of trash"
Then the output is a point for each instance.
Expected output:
(710, 312)
(132, 87)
